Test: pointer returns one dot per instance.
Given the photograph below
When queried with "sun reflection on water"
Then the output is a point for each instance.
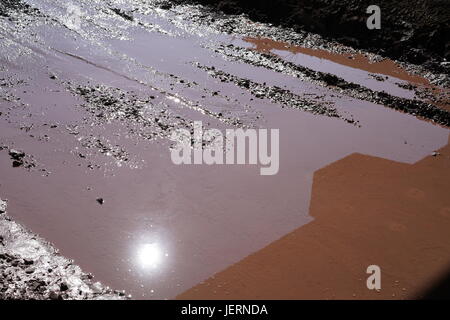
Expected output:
(151, 255)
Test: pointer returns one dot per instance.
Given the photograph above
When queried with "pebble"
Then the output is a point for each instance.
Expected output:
(30, 270)
(3, 206)
(16, 155)
(54, 295)
(63, 286)
(435, 154)
(28, 261)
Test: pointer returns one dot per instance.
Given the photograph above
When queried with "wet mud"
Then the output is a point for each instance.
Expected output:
(91, 91)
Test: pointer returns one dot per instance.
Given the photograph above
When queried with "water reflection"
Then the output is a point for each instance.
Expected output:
(174, 99)
(150, 255)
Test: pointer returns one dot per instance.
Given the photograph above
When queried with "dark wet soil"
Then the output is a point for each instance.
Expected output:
(417, 31)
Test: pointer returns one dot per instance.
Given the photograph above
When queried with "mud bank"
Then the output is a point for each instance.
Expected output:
(31, 268)
(413, 31)
(367, 211)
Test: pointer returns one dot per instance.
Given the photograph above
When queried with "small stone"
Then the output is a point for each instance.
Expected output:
(63, 286)
(53, 295)
(29, 270)
(16, 155)
(36, 285)
(97, 288)
(165, 5)
(3, 206)
(100, 201)
(120, 293)
(17, 163)
(435, 154)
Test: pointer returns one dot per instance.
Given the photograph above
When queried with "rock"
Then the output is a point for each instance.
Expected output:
(97, 288)
(3, 206)
(100, 201)
(54, 295)
(16, 155)
(30, 270)
(17, 163)
(435, 154)
(165, 5)
(64, 286)
(36, 285)
(123, 14)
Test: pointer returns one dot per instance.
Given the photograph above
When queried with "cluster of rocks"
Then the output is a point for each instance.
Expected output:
(142, 117)
(17, 157)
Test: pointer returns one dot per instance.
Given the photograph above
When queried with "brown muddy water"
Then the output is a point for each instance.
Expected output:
(91, 95)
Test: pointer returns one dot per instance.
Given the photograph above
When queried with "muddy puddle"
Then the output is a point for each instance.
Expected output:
(90, 93)
(359, 204)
